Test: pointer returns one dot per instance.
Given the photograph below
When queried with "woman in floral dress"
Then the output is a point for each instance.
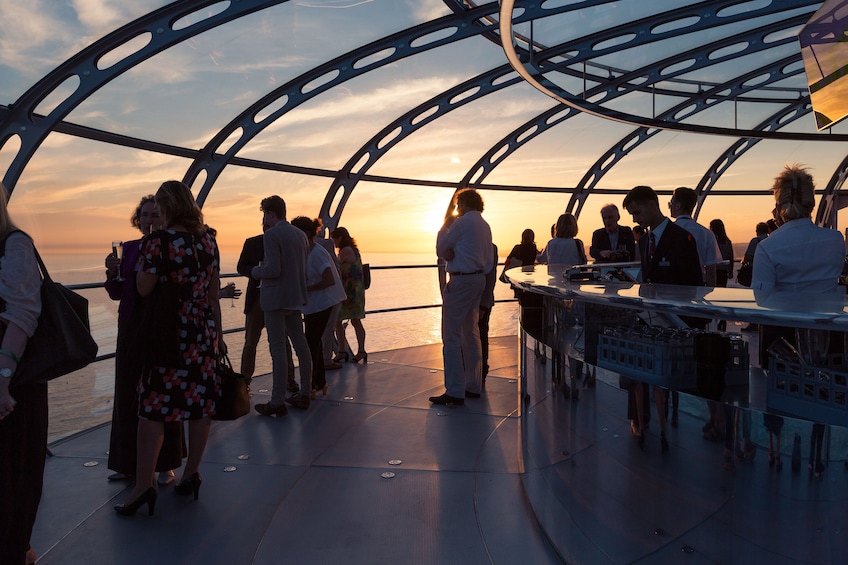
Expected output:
(179, 275)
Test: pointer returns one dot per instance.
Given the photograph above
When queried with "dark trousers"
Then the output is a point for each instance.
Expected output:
(314, 325)
(483, 325)
(254, 323)
(23, 449)
(123, 436)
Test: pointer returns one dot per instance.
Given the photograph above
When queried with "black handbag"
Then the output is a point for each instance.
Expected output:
(62, 341)
(745, 274)
(234, 401)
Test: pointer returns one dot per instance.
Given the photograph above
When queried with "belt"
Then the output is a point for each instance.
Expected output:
(460, 274)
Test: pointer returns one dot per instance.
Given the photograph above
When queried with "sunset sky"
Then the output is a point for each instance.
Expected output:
(76, 195)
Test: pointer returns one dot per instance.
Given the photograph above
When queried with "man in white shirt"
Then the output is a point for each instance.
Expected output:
(681, 206)
(465, 242)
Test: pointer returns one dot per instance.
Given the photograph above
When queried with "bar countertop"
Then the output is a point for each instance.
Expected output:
(793, 309)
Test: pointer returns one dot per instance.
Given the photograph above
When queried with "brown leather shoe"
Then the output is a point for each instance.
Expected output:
(268, 410)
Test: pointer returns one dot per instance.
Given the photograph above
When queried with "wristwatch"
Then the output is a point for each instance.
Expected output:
(6, 373)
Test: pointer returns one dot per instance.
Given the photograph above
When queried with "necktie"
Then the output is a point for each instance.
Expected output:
(652, 247)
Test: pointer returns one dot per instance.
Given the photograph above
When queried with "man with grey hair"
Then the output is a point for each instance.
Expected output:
(612, 243)
(465, 242)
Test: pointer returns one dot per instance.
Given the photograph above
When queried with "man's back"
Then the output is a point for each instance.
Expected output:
(284, 268)
(708, 252)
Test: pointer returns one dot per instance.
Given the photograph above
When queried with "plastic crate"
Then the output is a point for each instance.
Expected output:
(818, 394)
(669, 363)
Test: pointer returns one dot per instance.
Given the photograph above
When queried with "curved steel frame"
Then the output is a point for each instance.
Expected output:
(467, 20)
(21, 119)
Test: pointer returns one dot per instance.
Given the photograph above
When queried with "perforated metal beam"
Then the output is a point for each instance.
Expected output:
(214, 157)
(735, 152)
(700, 16)
(831, 200)
(21, 120)
(721, 93)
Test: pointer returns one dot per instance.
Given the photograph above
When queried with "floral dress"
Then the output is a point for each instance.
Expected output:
(188, 388)
(353, 307)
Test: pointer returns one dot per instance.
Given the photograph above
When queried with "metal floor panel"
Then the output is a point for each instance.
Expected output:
(310, 489)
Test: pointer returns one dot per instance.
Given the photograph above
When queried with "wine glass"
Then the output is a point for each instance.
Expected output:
(117, 251)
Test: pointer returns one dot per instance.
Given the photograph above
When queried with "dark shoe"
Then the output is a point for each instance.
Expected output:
(299, 401)
(189, 486)
(292, 386)
(361, 356)
(268, 410)
(332, 366)
(641, 441)
(447, 400)
(121, 477)
(148, 497)
(342, 356)
(469, 394)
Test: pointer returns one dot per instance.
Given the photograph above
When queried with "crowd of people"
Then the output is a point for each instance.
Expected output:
(301, 291)
(169, 330)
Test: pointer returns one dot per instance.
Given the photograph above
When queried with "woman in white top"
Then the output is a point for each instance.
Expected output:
(798, 256)
(325, 290)
(564, 248)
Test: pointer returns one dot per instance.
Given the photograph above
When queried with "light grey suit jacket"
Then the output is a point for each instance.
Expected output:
(283, 270)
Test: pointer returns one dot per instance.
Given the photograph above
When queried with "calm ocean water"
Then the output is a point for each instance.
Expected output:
(83, 399)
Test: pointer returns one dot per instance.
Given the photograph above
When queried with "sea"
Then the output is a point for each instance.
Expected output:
(84, 399)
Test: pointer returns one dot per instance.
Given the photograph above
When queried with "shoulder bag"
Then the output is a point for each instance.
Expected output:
(62, 341)
(234, 401)
(745, 274)
(366, 276)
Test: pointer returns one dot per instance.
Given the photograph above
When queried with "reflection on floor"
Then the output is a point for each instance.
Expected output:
(310, 487)
(603, 500)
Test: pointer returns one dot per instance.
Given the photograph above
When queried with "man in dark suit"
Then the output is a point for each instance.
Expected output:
(611, 241)
(668, 255)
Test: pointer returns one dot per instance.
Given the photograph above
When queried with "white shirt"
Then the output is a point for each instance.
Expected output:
(799, 256)
(317, 262)
(705, 240)
(470, 238)
(20, 283)
(561, 251)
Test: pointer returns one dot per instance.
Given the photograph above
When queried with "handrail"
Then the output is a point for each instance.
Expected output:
(106, 356)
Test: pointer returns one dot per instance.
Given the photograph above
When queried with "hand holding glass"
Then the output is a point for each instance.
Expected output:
(117, 250)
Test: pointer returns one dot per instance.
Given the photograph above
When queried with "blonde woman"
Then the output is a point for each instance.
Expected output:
(23, 408)
(179, 381)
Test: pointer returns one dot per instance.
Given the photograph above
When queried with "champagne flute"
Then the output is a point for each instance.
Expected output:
(117, 251)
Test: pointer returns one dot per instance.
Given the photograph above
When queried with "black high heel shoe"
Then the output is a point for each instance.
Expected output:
(189, 486)
(361, 356)
(148, 497)
(341, 356)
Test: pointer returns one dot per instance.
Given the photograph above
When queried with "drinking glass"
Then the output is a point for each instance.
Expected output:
(117, 250)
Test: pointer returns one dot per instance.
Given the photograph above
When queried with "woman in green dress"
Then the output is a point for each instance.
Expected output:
(353, 307)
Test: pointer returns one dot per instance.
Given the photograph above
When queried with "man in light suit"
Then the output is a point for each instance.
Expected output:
(283, 295)
(465, 242)
(254, 318)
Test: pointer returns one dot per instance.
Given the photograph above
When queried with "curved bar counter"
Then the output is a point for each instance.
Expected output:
(727, 496)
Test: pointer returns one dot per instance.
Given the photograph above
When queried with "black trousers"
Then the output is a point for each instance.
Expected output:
(23, 449)
(313, 327)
